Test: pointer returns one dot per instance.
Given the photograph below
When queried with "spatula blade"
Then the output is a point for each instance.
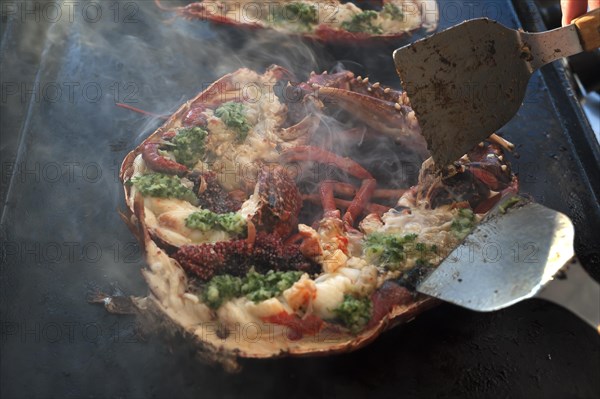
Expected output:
(508, 257)
(464, 83)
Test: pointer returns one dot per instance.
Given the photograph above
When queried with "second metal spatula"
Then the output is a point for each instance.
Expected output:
(468, 81)
(520, 250)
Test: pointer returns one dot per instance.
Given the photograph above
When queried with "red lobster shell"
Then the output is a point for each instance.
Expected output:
(272, 203)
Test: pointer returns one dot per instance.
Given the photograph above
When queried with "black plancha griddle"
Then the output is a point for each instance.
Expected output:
(62, 142)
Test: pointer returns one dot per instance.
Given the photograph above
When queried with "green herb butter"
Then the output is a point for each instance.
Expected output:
(393, 11)
(354, 313)
(188, 146)
(205, 220)
(254, 286)
(463, 223)
(163, 186)
(259, 287)
(363, 22)
(305, 13)
(232, 114)
(221, 289)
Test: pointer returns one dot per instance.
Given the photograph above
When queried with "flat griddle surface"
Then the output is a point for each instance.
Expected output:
(61, 233)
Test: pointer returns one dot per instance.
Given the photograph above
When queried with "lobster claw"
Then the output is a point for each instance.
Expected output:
(493, 176)
(302, 117)
(383, 110)
(477, 178)
(488, 165)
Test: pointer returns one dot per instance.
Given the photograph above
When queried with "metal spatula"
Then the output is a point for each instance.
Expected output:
(520, 250)
(468, 81)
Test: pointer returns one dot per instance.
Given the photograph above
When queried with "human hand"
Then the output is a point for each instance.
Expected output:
(572, 9)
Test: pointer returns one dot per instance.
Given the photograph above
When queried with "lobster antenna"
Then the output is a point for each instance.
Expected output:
(159, 5)
(141, 111)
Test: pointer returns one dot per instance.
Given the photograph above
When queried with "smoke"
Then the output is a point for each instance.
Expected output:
(63, 74)
(99, 54)
(90, 57)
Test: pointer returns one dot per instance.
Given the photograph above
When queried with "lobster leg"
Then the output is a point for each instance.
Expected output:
(326, 189)
(328, 200)
(300, 133)
(158, 163)
(348, 190)
(360, 201)
(315, 154)
(344, 204)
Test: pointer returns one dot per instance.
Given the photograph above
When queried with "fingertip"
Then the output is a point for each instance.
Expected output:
(564, 8)
(571, 9)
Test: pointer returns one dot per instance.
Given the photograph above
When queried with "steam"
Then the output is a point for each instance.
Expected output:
(136, 54)
(64, 193)
(64, 189)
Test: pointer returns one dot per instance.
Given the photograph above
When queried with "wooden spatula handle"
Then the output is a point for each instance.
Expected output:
(588, 26)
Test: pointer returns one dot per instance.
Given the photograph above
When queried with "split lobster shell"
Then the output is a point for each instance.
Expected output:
(179, 309)
(417, 15)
